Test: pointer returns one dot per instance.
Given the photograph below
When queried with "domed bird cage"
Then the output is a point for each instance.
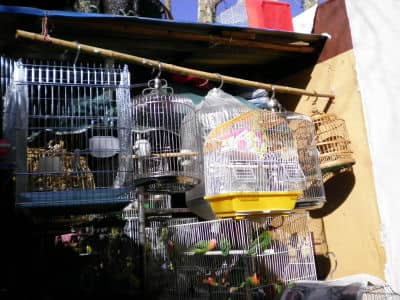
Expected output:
(216, 108)
(72, 137)
(251, 166)
(313, 196)
(333, 142)
(162, 162)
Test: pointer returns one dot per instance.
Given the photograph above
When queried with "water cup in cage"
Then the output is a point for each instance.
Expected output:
(103, 146)
(142, 148)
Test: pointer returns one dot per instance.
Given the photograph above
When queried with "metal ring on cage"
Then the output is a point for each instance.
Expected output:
(78, 48)
(221, 81)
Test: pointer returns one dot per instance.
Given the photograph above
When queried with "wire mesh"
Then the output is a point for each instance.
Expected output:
(254, 152)
(238, 259)
(305, 137)
(379, 293)
(333, 142)
(162, 163)
(216, 108)
(72, 135)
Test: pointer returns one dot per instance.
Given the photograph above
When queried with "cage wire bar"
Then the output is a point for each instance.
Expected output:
(72, 135)
(240, 258)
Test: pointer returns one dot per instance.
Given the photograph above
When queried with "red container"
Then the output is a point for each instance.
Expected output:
(273, 15)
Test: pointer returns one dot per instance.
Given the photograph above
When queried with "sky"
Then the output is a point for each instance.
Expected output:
(186, 10)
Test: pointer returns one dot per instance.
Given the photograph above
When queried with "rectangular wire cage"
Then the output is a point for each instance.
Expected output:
(71, 135)
(240, 259)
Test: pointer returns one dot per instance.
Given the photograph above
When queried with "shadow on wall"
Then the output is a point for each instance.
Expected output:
(337, 189)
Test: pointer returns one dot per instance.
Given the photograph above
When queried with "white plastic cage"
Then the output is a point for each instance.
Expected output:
(71, 129)
(162, 162)
(253, 156)
(227, 258)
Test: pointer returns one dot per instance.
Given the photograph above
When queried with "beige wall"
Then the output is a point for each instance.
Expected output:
(350, 218)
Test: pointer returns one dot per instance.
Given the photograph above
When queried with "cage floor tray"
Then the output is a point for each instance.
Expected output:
(240, 205)
(73, 198)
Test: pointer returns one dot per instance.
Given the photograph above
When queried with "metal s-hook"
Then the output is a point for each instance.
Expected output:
(159, 70)
(78, 51)
(221, 81)
(273, 92)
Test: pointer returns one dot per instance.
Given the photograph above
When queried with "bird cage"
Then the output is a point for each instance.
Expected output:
(162, 163)
(71, 135)
(304, 134)
(333, 142)
(216, 108)
(227, 258)
(251, 166)
(313, 196)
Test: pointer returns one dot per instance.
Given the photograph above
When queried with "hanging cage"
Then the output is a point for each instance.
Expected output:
(70, 128)
(251, 166)
(216, 108)
(236, 259)
(162, 161)
(333, 142)
(313, 196)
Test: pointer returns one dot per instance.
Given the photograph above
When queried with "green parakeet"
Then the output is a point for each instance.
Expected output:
(204, 246)
(262, 242)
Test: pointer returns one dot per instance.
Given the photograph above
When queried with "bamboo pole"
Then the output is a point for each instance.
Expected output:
(167, 67)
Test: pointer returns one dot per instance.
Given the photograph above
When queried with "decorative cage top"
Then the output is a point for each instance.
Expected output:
(254, 152)
(162, 161)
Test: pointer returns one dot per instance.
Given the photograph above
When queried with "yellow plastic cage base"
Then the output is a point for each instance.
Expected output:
(241, 205)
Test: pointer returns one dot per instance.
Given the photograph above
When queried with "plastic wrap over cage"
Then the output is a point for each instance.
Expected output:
(228, 259)
(216, 108)
(251, 166)
(163, 161)
(72, 136)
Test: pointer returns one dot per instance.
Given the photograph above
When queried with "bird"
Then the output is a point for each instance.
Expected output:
(261, 243)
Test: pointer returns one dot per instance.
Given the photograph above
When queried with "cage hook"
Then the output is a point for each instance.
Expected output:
(159, 70)
(273, 92)
(314, 103)
(78, 51)
(204, 83)
(221, 80)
